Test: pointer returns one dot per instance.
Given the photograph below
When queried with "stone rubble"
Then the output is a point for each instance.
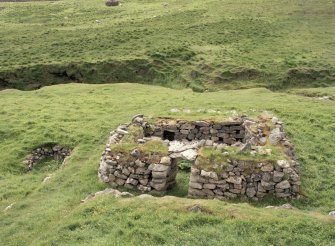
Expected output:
(56, 151)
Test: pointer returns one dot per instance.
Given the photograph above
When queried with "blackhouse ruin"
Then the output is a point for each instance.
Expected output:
(240, 157)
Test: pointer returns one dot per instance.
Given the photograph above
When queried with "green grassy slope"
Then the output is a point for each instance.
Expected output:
(200, 44)
(81, 116)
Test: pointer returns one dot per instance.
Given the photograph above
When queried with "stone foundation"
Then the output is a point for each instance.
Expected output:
(55, 151)
(242, 163)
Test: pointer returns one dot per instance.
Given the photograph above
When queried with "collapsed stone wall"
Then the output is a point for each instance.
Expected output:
(255, 175)
(55, 151)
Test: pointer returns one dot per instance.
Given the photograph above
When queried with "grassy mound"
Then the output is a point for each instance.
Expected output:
(82, 116)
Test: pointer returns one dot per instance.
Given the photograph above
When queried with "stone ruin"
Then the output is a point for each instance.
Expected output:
(57, 152)
(235, 158)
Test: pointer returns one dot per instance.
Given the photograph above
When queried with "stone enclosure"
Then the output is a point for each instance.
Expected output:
(237, 157)
(48, 150)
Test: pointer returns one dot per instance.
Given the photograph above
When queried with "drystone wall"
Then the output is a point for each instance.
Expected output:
(220, 132)
(260, 172)
(55, 151)
(144, 172)
(248, 179)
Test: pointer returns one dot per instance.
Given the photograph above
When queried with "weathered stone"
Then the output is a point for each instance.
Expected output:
(234, 180)
(218, 192)
(229, 194)
(132, 181)
(165, 160)
(251, 192)
(160, 168)
(158, 186)
(195, 171)
(189, 154)
(119, 181)
(144, 181)
(195, 185)
(267, 168)
(275, 137)
(140, 170)
(283, 185)
(209, 186)
(209, 142)
(208, 192)
(121, 131)
(159, 175)
(201, 123)
(332, 213)
(120, 175)
(266, 177)
(195, 193)
(277, 176)
(283, 163)
(267, 185)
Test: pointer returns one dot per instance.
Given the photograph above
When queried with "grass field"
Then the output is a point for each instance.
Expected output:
(81, 116)
(203, 45)
(149, 56)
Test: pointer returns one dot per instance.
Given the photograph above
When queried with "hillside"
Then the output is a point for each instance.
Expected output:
(81, 116)
(197, 44)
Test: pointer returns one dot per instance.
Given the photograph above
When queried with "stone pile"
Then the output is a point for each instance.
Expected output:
(56, 151)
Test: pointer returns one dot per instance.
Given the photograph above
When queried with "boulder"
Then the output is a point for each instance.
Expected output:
(110, 3)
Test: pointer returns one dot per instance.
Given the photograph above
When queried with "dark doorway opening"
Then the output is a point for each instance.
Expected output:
(168, 135)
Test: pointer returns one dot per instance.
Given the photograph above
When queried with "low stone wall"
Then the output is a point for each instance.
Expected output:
(246, 179)
(218, 132)
(145, 172)
(55, 151)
